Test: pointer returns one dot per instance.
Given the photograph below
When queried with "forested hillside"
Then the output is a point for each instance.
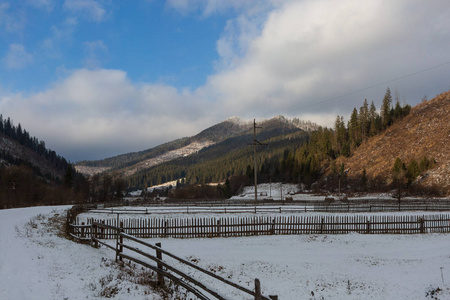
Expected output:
(31, 174)
(322, 158)
(18, 147)
(419, 144)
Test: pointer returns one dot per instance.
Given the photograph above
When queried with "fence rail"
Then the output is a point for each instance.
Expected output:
(286, 208)
(268, 225)
(163, 268)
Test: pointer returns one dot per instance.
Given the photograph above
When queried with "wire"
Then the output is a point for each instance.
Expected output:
(376, 85)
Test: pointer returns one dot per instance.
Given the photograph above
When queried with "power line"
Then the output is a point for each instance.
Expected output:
(376, 85)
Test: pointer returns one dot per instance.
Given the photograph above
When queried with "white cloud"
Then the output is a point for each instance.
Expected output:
(99, 113)
(307, 51)
(86, 8)
(297, 58)
(96, 51)
(17, 57)
(42, 4)
(11, 21)
(210, 7)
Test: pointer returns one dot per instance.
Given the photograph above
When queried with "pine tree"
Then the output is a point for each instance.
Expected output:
(386, 117)
(412, 172)
(354, 129)
(364, 120)
(374, 120)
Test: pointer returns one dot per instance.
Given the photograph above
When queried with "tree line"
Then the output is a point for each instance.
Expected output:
(24, 138)
(301, 160)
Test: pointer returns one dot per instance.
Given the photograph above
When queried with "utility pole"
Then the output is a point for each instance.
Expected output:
(255, 143)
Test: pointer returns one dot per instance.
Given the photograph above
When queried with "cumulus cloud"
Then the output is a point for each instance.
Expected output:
(90, 9)
(303, 59)
(308, 51)
(11, 21)
(100, 113)
(95, 53)
(17, 57)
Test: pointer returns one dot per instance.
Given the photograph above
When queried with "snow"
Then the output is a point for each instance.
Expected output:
(279, 191)
(37, 262)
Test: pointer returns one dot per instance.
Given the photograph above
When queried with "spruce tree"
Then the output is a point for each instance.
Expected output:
(386, 117)
(364, 120)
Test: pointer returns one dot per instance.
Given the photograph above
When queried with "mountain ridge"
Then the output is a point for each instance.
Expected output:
(217, 133)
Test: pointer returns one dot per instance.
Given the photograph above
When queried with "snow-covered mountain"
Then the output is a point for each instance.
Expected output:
(130, 163)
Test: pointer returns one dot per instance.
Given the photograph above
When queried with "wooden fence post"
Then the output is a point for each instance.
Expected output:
(421, 225)
(218, 228)
(119, 242)
(102, 231)
(159, 256)
(257, 289)
(368, 226)
(272, 230)
(82, 230)
(165, 228)
(94, 242)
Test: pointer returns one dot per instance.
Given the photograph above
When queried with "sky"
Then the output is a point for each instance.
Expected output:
(99, 78)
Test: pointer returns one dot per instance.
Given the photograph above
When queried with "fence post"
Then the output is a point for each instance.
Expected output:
(321, 226)
(160, 267)
(421, 225)
(82, 230)
(257, 289)
(165, 228)
(218, 228)
(102, 231)
(94, 242)
(368, 226)
(272, 230)
(119, 242)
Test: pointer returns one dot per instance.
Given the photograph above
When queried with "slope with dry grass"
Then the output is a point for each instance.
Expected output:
(424, 132)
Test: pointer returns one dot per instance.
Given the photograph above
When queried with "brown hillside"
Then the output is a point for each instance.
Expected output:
(424, 132)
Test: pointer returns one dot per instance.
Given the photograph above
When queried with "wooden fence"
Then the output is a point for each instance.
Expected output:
(285, 208)
(268, 225)
(127, 243)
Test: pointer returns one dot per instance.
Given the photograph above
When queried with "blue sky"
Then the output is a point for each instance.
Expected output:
(150, 40)
(97, 78)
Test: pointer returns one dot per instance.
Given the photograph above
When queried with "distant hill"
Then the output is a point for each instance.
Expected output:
(221, 138)
(232, 156)
(425, 132)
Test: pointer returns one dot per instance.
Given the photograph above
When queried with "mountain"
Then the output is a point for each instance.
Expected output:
(13, 153)
(31, 174)
(425, 132)
(219, 138)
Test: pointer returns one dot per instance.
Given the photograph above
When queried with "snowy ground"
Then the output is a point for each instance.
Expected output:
(279, 191)
(36, 262)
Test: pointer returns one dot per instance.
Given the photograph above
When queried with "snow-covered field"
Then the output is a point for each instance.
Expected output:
(37, 262)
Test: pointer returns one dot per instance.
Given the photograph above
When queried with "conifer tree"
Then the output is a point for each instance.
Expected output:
(364, 120)
(354, 129)
(386, 117)
(374, 120)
